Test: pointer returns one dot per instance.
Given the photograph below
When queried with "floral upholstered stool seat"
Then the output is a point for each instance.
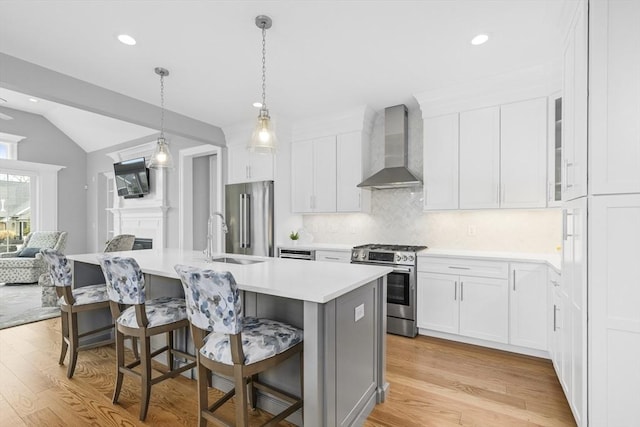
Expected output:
(236, 346)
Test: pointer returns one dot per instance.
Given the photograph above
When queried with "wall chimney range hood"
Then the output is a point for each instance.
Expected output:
(395, 173)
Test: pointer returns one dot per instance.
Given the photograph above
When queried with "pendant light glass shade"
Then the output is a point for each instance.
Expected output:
(161, 157)
(263, 139)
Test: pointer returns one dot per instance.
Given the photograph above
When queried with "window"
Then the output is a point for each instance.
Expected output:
(9, 145)
(15, 210)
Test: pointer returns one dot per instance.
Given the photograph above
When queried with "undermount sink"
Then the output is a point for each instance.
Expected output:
(229, 260)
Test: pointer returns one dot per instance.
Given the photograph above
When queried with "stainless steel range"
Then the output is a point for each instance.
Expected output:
(401, 283)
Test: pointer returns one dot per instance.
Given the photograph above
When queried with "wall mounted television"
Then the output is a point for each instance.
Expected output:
(132, 178)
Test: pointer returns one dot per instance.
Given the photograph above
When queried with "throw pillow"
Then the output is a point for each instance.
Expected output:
(29, 252)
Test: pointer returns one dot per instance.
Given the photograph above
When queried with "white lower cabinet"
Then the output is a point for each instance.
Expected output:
(476, 307)
(438, 302)
(493, 301)
(528, 312)
(333, 256)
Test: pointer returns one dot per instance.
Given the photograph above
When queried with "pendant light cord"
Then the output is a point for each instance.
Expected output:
(162, 106)
(264, 67)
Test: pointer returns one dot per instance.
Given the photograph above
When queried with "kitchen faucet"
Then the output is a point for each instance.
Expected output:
(208, 252)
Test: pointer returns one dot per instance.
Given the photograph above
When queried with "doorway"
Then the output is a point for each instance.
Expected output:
(200, 194)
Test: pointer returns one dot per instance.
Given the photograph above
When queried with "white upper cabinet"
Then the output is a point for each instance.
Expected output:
(324, 174)
(574, 120)
(327, 163)
(614, 97)
(523, 148)
(247, 166)
(441, 162)
(480, 158)
(350, 198)
(313, 175)
(554, 150)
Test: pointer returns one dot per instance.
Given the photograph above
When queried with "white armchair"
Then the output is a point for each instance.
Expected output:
(27, 269)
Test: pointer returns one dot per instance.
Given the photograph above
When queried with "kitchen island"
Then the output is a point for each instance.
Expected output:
(341, 307)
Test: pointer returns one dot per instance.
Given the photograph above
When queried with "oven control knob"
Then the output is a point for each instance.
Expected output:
(398, 257)
(411, 258)
(404, 257)
(362, 255)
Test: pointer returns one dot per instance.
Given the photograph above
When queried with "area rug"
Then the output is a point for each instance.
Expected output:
(20, 304)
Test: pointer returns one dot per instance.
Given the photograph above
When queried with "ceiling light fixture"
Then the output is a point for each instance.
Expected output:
(479, 39)
(162, 156)
(257, 104)
(127, 39)
(33, 100)
(263, 138)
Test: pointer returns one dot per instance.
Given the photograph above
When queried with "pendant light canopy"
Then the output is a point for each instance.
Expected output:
(263, 138)
(162, 156)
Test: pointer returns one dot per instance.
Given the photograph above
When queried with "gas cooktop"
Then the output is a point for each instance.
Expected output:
(391, 248)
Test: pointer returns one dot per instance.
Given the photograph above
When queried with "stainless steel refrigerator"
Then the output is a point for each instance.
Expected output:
(249, 216)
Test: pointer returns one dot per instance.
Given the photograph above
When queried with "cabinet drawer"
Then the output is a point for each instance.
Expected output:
(467, 267)
(333, 256)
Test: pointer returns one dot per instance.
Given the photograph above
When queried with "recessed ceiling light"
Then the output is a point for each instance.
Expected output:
(33, 100)
(479, 39)
(127, 39)
(3, 100)
(257, 104)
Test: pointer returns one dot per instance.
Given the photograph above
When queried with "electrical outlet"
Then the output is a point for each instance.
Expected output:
(359, 312)
(471, 230)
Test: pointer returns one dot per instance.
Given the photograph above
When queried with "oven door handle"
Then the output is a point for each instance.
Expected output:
(402, 270)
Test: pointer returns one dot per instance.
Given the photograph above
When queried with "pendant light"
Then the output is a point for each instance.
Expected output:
(162, 156)
(263, 138)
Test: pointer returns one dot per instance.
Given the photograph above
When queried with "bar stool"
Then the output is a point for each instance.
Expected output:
(236, 346)
(72, 302)
(142, 319)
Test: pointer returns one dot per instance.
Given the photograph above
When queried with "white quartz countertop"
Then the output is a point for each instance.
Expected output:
(288, 278)
(554, 260)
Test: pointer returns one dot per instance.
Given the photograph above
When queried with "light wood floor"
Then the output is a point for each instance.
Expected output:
(433, 383)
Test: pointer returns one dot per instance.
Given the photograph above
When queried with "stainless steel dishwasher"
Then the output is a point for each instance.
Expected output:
(303, 254)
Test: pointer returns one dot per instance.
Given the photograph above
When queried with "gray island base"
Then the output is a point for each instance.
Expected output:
(341, 307)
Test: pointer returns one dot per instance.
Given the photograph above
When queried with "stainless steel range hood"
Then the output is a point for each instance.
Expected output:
(395, 173)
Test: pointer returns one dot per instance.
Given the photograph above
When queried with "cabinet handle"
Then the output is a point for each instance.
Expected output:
(514, 280)
(555, 283)
(549, 196)
(461, 291)
(455, 290)
(460, 268)
(498, 195)
(566, 173)
(504, 192)
(554, 317)
(335, 258)
(565, 234)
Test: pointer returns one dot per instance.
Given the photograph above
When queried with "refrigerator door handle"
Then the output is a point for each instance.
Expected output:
(245, 230)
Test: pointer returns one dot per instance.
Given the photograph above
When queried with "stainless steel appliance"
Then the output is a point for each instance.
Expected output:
(401, 283)
(304, 254)
(249, 218)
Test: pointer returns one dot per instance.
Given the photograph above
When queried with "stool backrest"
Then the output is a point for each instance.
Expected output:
(121, 242)
(213, 299)
(125, 281)
(59, 268)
